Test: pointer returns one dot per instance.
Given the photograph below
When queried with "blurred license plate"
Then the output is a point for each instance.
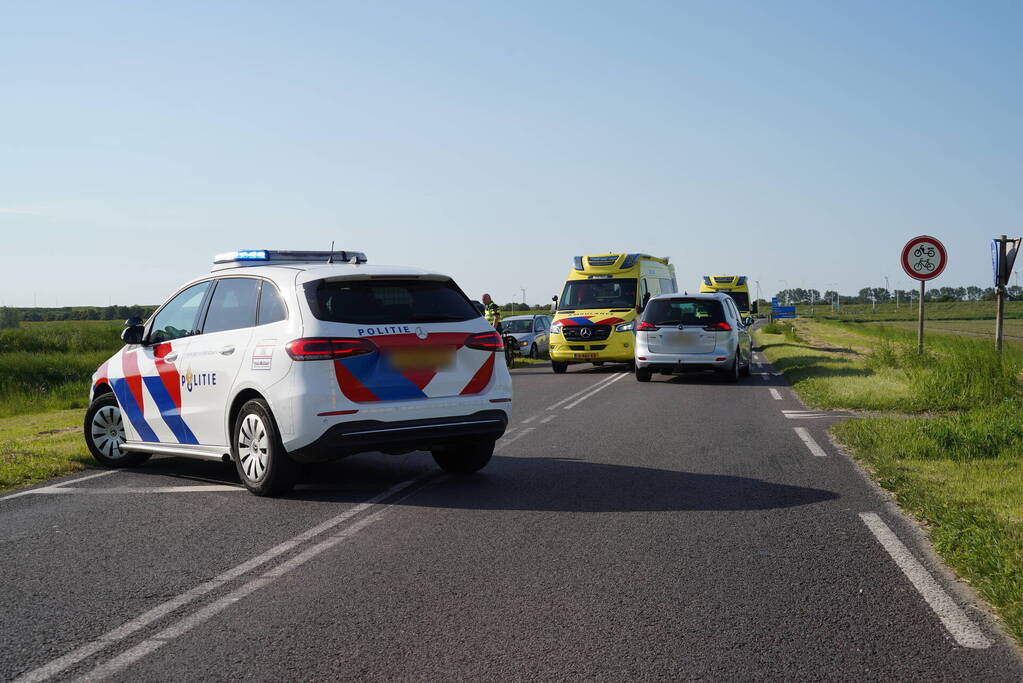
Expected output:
(585, 356)
(436, 358)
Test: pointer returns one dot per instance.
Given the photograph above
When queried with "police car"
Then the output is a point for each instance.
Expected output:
(283, 357)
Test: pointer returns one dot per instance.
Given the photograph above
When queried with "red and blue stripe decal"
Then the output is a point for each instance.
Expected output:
(165, 389)
(583, 320)
(372, 377)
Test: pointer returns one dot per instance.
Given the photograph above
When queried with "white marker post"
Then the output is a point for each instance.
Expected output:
(923, 259)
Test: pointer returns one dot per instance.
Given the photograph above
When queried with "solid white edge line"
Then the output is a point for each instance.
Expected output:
(606, 380)
(199, 617)
(774, 394)
(954, 619)
(55, 666)
(48, 489)
(201, 488)
(810, 443)
(573, 404)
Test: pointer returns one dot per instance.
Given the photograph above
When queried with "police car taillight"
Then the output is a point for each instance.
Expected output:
(325, 348)
(485, 341)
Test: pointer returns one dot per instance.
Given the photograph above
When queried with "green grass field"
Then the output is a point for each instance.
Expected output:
(47, 366)
(945, 310)
(944, 432)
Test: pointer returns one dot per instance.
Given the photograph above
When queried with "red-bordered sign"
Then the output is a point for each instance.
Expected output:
(924, 257)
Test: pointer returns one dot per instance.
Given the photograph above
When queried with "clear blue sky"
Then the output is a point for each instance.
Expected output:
(803, 141)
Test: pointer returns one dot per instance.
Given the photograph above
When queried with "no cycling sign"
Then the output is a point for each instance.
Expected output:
(924, 257)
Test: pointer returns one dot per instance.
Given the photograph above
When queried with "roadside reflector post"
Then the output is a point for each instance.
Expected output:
(923, 259)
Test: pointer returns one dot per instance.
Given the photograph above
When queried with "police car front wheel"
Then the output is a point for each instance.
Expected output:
(464, 458)
(104, 434)
(262, 463)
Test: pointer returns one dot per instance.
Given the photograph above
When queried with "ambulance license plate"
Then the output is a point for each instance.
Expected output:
(585, 356)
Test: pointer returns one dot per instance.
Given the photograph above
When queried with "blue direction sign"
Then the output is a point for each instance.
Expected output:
(784, 312)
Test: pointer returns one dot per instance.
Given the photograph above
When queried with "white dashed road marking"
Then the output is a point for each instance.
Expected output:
(548, 419)
(804, 414)
(605, 381)
(810, 443)
(960, 626)
(505, 441)
(603, 386)
(774, 394)
(55, 666)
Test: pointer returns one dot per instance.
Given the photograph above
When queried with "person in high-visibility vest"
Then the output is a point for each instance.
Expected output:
(492, 312)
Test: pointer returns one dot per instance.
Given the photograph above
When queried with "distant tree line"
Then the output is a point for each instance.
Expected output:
(9, 316)
(881, 295)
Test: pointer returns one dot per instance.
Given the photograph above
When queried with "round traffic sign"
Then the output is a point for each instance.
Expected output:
(924, 257)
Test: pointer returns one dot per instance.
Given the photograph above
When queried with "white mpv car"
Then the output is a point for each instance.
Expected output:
(691, 333)
(282, 357)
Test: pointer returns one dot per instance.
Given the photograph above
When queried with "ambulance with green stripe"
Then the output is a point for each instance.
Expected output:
(596, 312)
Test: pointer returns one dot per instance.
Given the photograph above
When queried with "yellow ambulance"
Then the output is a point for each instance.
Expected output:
(597, 309)
(734, 286)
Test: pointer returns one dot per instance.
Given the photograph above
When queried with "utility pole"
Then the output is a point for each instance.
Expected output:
(887, 288)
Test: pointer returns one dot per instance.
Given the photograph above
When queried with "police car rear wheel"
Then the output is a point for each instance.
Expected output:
(262, 463)
(104, 434)
(464, 458)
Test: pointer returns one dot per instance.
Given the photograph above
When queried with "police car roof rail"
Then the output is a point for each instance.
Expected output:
(263, 257)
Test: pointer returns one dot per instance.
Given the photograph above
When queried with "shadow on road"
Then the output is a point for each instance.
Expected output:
(541, 484)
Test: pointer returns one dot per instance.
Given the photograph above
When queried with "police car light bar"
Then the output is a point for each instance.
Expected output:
(255, 257)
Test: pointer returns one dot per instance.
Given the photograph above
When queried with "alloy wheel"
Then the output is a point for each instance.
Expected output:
(107, 431)
(253, 447)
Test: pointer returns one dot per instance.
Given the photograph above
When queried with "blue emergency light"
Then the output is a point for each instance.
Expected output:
(244, 257)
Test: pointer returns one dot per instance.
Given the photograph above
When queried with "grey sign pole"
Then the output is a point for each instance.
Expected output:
(1000, 297)
(920, 328)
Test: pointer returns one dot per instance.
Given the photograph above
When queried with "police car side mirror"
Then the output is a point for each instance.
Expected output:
(133, 334)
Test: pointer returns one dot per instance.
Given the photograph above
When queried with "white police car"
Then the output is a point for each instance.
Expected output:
(283, 357)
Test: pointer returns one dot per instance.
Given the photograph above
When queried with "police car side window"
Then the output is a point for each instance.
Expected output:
(178, 317)
(233, 305)
(271, 307)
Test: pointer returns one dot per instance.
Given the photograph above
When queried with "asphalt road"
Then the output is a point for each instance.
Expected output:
(681, 529)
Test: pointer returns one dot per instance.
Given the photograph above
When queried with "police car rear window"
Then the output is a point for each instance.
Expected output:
(388, 302)
(684, 312)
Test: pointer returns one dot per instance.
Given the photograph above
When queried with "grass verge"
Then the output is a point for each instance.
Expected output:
(34, 448)
(946, 437)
